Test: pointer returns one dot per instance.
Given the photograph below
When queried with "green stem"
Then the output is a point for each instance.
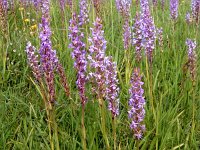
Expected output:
(83, 128)
(103, 123)
(114, 131)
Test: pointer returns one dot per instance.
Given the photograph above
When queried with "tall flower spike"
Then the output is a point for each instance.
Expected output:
(174, 9)
(126, 35)
(155, 2)
(159, 33)
(33, 61)
(148, 30)
(84, 12)
(196, 10)
(137, 37)
(192, 58)
(96, 58)
(123, 7)
(79, 55)
(62, 5)
(188, 18)
(163, 4)
(136, 112)
(48, 57)
(112, 90)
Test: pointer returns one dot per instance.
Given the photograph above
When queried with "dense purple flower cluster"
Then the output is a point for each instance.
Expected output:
(79, 54)
(137, 103)
(192, 57)
(159, 34)
(62, 4)
(48, 56)
(148, 30)
(84, 12)
(196, 9)
(126, 35)
(33, 61)
(96, 58)
(137, 37)
(174, 9)
(112, 90)
(124, 6)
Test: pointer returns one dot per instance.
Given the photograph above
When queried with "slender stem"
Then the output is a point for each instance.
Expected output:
(83, 128)
(103, 123)
(114, 131)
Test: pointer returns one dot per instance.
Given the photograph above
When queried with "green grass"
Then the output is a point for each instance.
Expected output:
(23, 117)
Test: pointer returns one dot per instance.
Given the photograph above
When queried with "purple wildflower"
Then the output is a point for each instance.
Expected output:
(137, 37)
(195, 9)
(96, 57)
(62, 5)
(159, 34)
(148, 30)
(84, 12)
(137, 103)
(126, 35)
(79, 54)
(188, 18)
(192, 57)
(112, 90)
(124, 6)
(174, 9)
(48, 58)
(33, 61)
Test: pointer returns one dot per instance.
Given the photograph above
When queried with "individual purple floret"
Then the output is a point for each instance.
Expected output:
(136, 112)
(196, 9)
(174, 9)
(33, 61)
(188, 18)
(148, 30)
(79, 55)
(96, 58)
(112, 89)
(124, 6)
(192, 57)
(84, 12)
(137, 37)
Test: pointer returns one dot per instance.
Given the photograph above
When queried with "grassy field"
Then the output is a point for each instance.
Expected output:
(173, 123)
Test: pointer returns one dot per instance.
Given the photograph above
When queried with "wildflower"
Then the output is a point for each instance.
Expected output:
(174, 9)
(162, 4)
(96, 58)
(84, 12)
(195, 9)
(79, 54)
(112, 90)
(124, 6)
(188, 18)
(136, 112)
(159, 32)
(33, 27)
(148, 30)
(26, 20)
(155, 2)
(126, 35)
(192, 58)
(137, 37)
(33, 61)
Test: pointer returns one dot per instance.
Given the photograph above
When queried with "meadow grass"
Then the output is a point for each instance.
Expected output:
(171, 125)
